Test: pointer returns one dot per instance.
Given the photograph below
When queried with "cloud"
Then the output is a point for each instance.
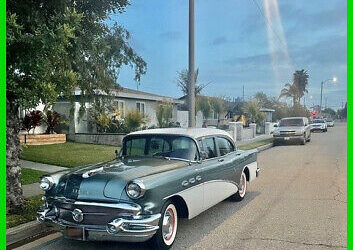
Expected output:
(171, 35)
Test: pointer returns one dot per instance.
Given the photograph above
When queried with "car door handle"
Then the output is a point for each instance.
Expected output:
(220, 160)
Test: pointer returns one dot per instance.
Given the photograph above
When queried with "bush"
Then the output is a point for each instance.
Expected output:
(164, 113)
(134, 120)
(51, 119)
(32, 120)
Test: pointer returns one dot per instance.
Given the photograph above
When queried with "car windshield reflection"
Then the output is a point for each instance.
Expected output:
(160, 146)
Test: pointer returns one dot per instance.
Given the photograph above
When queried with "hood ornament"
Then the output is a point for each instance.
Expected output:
(92, 172)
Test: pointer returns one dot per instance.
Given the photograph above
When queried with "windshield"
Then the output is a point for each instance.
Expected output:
(318, 121)
(165, 146)
(291, 123)
(329, 120)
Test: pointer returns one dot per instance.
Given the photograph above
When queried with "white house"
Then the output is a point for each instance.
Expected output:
(125, 99)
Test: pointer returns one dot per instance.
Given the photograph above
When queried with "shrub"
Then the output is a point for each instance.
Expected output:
(32, 120)
(164, 113)
(252, 111)
(134, 120)
(51, 119)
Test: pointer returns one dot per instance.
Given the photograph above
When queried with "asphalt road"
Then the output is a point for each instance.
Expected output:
(298, 202)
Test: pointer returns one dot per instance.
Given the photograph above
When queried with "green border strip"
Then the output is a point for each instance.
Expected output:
(349, 122)
(2, 124)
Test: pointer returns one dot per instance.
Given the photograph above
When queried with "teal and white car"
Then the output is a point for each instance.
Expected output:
(158, 177)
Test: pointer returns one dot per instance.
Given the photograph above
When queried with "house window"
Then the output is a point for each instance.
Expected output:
(140, 106)
(121, 108)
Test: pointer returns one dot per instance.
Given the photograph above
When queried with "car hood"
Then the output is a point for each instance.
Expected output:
(107, 181)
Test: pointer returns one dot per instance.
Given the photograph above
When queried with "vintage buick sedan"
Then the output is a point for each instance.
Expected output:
(159, 176)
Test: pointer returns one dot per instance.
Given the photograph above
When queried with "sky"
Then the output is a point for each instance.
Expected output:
(240, 42)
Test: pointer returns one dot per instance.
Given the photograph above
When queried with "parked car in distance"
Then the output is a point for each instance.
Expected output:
(292, 129)
(319, 125)
(159, 176)
(330, 122)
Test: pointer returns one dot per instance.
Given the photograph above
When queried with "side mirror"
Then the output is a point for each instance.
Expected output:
(203, 155)
(119, 154)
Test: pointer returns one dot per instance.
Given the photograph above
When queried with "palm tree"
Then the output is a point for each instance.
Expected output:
(183, 80)
(298, 88)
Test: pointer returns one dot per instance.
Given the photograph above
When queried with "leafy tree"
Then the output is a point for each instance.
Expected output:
(164, 113)
(330, 112)
(52, 48)
(298, 88)
(342, 113)
(298, 110)
(203, 104)
(252, 111)
(218, 106)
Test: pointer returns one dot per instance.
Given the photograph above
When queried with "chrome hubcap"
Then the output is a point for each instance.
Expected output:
(168, 224)
(242, 185)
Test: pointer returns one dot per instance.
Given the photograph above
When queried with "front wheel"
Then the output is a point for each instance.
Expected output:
(238, 196)
(168, 225)
(303, 142)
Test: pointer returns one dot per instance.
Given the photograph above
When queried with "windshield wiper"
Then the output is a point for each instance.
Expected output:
(176, 159)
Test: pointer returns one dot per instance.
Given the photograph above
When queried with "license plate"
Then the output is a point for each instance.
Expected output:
(286, 138)
(74, 233)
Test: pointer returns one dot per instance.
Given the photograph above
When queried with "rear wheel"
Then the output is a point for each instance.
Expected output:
(238, 196)
(168, 225)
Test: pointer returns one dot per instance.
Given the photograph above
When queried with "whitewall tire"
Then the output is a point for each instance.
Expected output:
(238, 196)
(168, 226)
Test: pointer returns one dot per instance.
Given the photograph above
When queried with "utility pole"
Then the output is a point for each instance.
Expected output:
(325, 102)
(243, 94)
(191, 82)
(322, 85)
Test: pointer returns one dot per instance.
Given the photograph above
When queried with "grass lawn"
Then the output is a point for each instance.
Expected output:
(69, 154)
(28, 214)
(256, 144)
(30, 176)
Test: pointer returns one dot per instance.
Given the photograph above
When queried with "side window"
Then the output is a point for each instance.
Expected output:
(224, 146)
(199, 142)
(209, 147)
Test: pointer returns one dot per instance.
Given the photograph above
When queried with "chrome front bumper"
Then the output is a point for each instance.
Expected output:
(136, 228)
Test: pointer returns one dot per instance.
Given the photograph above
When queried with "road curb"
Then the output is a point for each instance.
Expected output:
(23, 233)
(264, 147)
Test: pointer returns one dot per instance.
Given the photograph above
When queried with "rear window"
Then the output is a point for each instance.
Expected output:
(297, 122)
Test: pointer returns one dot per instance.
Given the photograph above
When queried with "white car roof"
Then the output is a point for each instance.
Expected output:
(191, 132)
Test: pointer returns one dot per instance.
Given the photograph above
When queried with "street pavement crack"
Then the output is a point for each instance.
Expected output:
(294, 242)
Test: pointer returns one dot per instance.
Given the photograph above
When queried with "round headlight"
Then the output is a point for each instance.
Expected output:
(46, 183)
(135, 189)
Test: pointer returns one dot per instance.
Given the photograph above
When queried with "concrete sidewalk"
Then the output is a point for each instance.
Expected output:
(33, 189)
(40, 166)
(257, 138)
